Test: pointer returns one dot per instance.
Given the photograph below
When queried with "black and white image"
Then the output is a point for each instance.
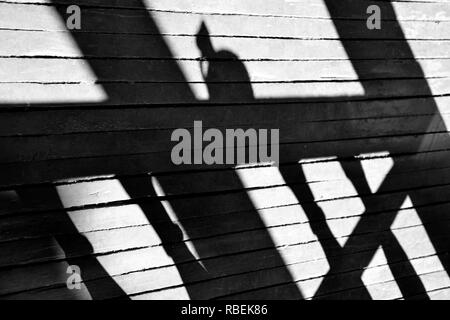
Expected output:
(210, 149)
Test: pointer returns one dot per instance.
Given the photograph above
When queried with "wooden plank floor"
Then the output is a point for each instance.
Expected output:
(356, 209)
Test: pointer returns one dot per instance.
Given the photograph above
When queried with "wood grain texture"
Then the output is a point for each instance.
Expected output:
(58, 70)
(432, 10)
(57, 44)
(103, 20)
(23, 94)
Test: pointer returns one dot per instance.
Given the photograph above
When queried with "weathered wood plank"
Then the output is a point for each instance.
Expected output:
(436, 278)
(409, 232)
(438, 294)
(433, 10)
(35, 17)
(31, 44)
(24, 94)
(60, 70)
(233, 218)
(47, 171)
(56, 121)
(104, 241)
(158, 279)
(242, 281)
(326, 177)
(386, 290)
(386, 130)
